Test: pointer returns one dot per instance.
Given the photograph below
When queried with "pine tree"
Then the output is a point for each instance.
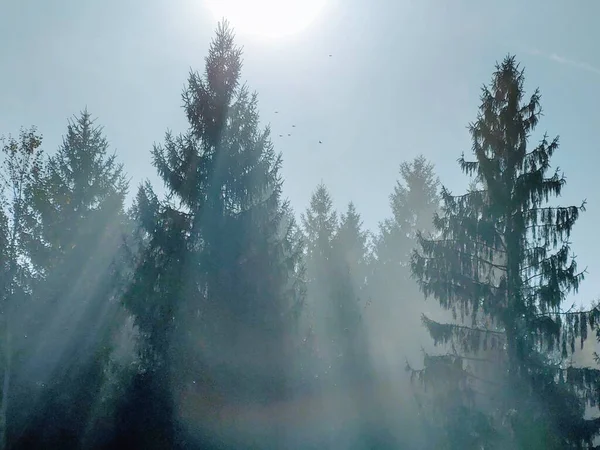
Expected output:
(336, 263)
(155, 251)
(83, 189)
(78, 200)
(216, 286)
(352, 244)
(319, 225)
(395, 301)
(414, 201)
(20, 166)
(350, 272)
(503, 259)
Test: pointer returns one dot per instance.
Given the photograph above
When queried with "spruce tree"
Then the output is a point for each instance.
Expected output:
(413, 202)
(502, 258)
(335, 263)
(395, 301)
(217, 283)
(352, 244)
(350, 270)
(319, 225)
(78, 201)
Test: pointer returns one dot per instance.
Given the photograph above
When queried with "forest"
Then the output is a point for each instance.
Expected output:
(207, 314)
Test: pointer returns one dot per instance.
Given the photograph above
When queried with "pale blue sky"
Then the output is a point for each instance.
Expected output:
(404, 79)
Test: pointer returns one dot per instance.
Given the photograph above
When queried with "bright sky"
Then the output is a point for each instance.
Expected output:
(404, 78)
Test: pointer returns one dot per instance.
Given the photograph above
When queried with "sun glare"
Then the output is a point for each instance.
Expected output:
(267, 18)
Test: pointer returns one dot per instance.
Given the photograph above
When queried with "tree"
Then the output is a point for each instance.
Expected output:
(319, 225)
(396, 303)
(20, 165)
(336, 263)
(502, 258)
(352, 244)
(414, 201)
(216, 286)
(77, 199)
(350, 273)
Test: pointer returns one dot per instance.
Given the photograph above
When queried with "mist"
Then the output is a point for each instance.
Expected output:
(201, 305)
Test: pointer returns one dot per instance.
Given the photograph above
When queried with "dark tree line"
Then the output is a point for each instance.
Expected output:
(143, 327)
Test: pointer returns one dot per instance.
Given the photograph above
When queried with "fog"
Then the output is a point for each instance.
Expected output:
(199, 307)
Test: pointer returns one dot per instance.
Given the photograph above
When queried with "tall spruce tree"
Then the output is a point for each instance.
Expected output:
(78, 202)
(319, 225)
(352, 244)
(502, 258)
(414, 201)
(395, 294)
(217, 282)
(335, 264)
(395, 301)
(350, 270)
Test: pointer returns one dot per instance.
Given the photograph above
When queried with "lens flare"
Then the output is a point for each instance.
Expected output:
(267, 18)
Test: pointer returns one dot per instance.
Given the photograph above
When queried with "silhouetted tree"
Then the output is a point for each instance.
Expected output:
(336, 271)
(350, 272)
(216, 285)
(319, 225)
(78, 200)
(502, 258)
(397, 302)
(414, 202)
(352, 244)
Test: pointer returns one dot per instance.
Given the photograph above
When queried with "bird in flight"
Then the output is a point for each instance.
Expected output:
(276, 112)
(320, 142)
(293, 126)
(289, 134)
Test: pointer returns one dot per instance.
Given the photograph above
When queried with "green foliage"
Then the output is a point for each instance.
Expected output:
(218, 278)
(20, 167)
(81, 190)
(414, 201)
(21, 164)
(233, 304)
(352, 244)
(397, 303)
(502, 257)
(336, 349)
(350, 273)
(75, 201)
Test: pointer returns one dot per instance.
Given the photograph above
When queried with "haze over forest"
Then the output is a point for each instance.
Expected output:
(187, 298)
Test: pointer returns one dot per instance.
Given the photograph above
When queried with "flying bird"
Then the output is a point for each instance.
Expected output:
(320, 142)
(293, 126)
(289, 134)
(276, 112)
(330, 56)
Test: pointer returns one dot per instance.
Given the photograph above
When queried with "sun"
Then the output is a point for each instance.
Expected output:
(267, 18)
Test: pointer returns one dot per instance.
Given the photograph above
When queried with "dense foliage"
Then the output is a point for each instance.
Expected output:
(206, 316)
(501, 256)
